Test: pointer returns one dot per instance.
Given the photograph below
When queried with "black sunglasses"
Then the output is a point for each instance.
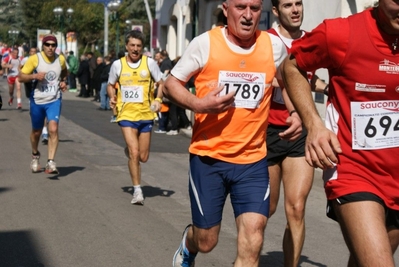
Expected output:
(52, 45)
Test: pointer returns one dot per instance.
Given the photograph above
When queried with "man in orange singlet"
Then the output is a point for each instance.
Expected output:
(234, 68)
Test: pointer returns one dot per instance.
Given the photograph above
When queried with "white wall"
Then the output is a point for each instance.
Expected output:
(315, 12)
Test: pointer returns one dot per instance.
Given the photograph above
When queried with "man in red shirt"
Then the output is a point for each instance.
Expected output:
(359, 146)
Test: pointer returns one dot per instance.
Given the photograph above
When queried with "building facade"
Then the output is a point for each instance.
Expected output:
(177, 22)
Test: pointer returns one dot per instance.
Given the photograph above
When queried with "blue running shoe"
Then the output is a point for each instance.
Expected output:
(182, 257)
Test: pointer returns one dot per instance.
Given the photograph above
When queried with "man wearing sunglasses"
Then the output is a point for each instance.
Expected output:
(45, 101)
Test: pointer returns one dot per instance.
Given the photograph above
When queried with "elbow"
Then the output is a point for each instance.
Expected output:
(165, 88)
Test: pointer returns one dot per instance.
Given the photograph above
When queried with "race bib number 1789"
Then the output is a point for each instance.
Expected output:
(249, 87)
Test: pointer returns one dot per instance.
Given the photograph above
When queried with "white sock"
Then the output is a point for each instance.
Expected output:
(19, 100)
(137, 188)
(44, 130)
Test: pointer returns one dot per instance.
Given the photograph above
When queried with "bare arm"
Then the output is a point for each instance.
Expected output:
(4, 64)
(63, 77)
(293, 121)
(158, 100)
(318, 85)
(212, 103)
(322, 145)
(26, 78)
(111, 94)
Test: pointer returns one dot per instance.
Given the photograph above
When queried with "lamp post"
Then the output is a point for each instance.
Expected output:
(128, 24)
(59, 14)
(113, 6)
(14, 34)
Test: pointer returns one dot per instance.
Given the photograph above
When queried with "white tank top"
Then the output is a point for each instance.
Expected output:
(47, 90)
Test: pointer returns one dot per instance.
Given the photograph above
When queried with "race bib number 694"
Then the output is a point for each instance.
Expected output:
(375, 124)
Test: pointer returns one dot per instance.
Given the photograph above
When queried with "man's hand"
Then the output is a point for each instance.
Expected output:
(322, 147)
(63, 86)
(155, 106)
(112, 102)
(294, 130)
(39, 76)
(213, 103)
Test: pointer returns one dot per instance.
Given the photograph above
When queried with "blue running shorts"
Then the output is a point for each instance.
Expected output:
(211, 180)
(39, 112)
(141, 126)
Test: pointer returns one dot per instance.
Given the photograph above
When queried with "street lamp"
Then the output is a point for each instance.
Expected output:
(59, 14)
(14, 34)
(129, 24)
(113, 6)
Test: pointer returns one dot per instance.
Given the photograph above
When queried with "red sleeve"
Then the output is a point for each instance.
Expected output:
(324, 47)
(5, 59)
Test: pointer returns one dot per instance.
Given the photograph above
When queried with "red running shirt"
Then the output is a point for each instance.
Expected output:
(363, 108)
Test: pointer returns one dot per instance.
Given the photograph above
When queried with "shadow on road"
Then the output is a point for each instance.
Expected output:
(276, 259)
(17, 248)
(150, 191)
(65, 141)
(65, 171)
(4, 189)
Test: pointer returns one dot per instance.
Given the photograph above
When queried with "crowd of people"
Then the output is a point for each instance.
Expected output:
(250, 135)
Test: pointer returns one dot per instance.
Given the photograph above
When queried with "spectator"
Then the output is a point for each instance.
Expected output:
(73, 70)
(83, 76)
(96, 81)
(104, 99)
(92, 66)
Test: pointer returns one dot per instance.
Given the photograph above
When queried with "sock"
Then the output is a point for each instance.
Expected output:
(44, 130)
(137, 188)
(36, 154)
(19, 100)
(50, 160)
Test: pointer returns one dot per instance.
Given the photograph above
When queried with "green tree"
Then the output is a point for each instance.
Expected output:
(87, 20)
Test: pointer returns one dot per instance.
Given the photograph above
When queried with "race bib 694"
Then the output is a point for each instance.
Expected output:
(375, 124)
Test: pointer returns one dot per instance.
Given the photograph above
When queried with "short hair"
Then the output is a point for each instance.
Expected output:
(135, 34)
(275, 3)
(164, 53)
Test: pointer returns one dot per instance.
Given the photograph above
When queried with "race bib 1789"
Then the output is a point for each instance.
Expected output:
(249, 87)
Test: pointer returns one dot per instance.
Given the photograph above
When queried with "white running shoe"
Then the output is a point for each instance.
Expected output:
(172, 132)
(34, 164)
(138, 198)
(181, 257)
(51, 167)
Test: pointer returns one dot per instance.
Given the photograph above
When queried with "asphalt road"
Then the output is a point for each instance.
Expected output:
(83, 216)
